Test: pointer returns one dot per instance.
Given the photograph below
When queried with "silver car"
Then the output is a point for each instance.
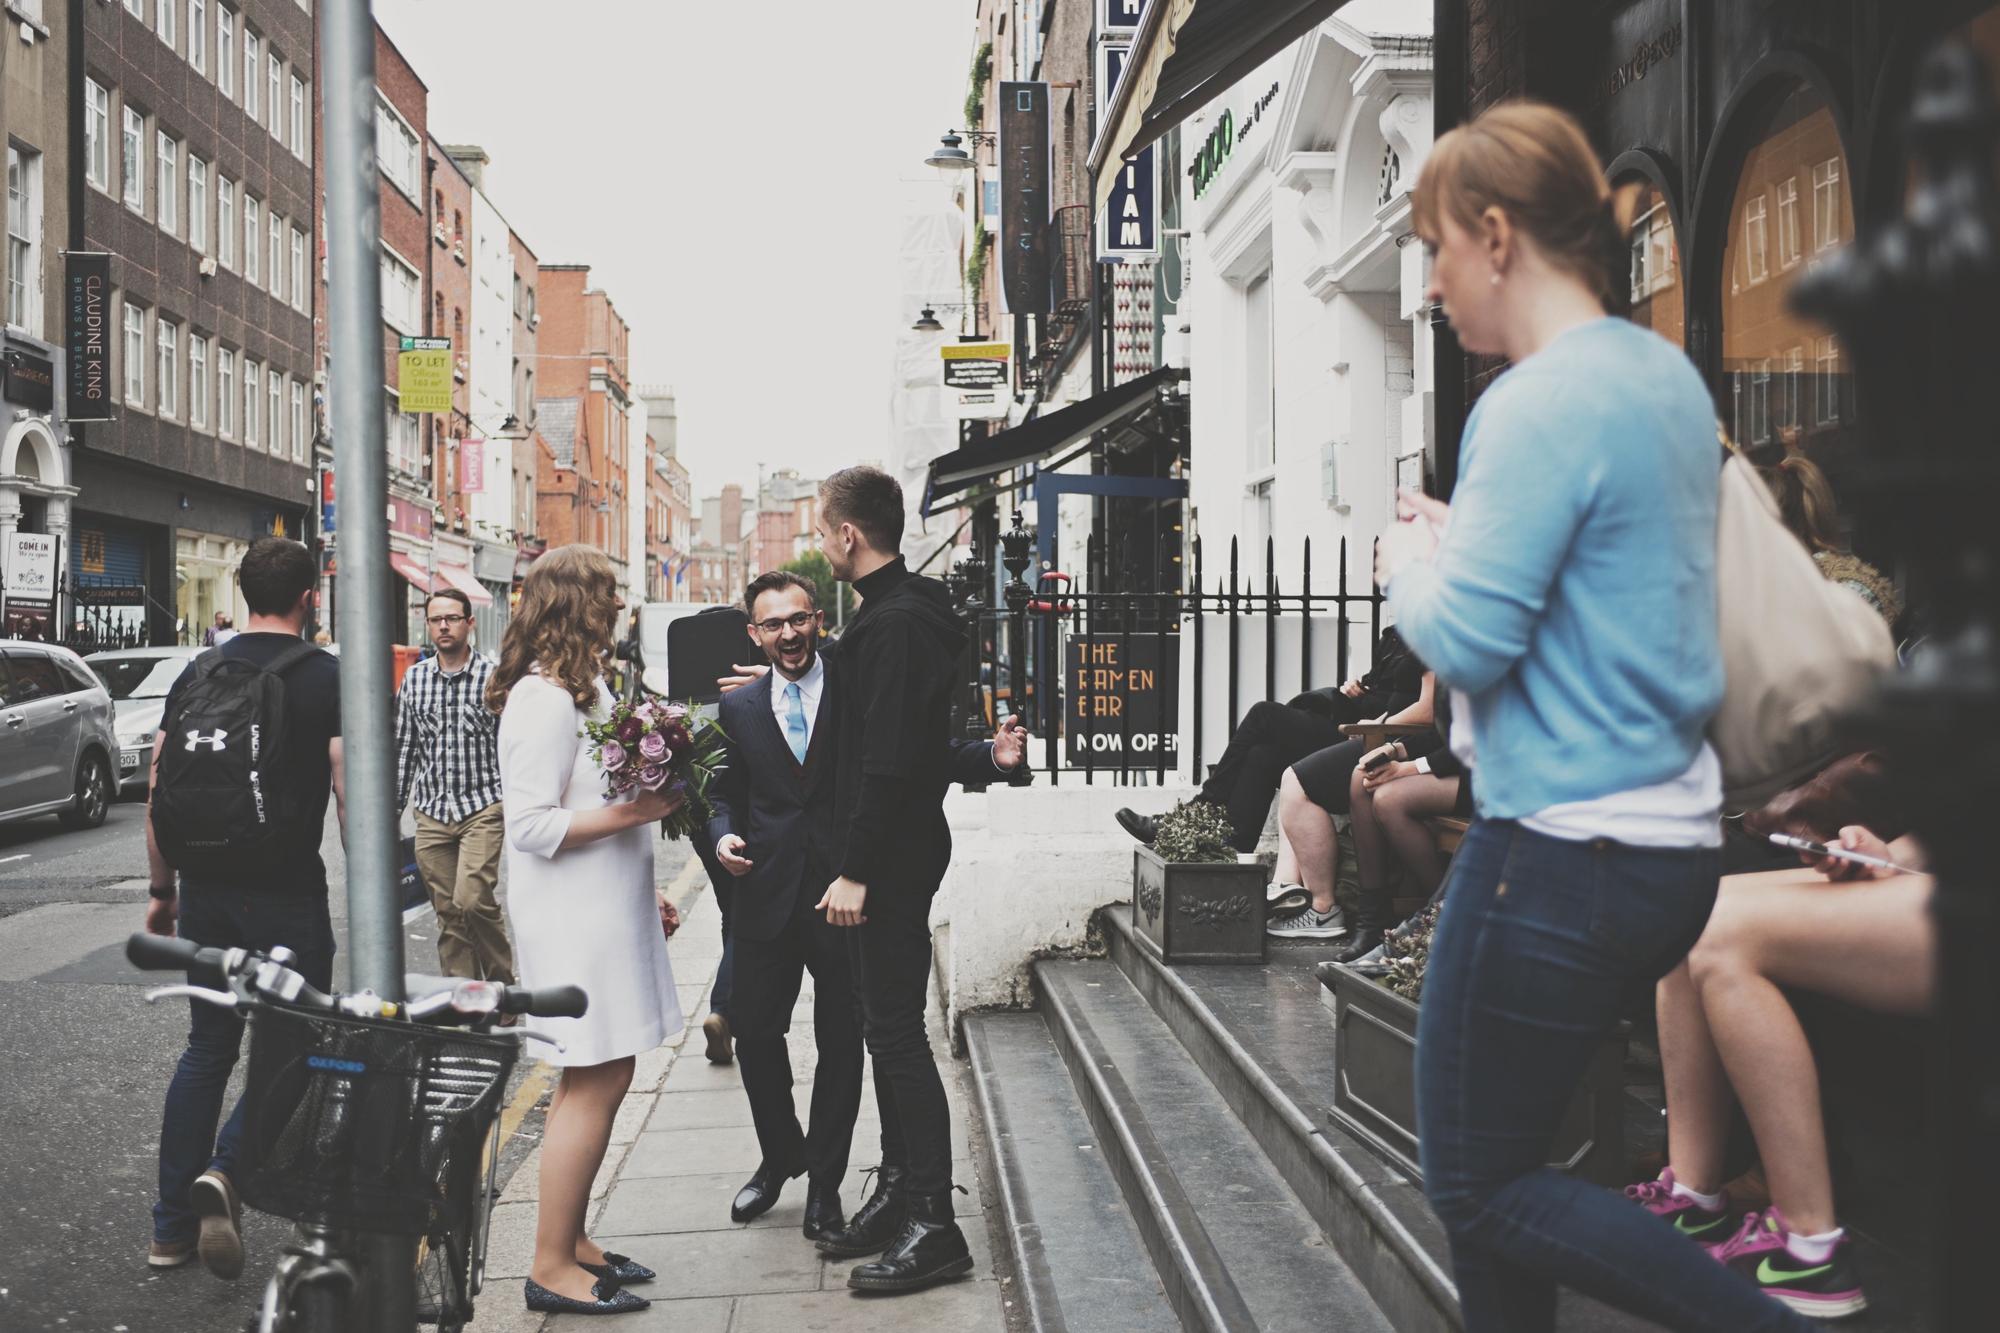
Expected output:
(57, 743)
(138, 679)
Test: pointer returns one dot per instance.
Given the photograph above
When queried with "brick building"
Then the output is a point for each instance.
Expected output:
(197, 150)
(716, 572)
(581, 353)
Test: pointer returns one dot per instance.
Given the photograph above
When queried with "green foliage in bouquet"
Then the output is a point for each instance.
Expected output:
(1409, 955)
(655, 745)
(1194, 831)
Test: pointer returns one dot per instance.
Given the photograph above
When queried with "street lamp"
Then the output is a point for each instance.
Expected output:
(927, 322)
(949, 156)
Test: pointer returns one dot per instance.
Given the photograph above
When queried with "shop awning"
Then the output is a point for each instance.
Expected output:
(1033, 441)
(412, 569)
(1185, 54)
(459, 577)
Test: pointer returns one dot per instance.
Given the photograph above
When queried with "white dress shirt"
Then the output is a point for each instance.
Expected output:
(809, 685)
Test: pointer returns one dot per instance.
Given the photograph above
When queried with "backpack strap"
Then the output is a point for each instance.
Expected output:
(288, 657)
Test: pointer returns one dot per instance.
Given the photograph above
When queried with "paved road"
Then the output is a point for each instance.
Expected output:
(83, 1065)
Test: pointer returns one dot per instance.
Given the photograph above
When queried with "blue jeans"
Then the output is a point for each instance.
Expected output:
(225, 918)
(1541, 946)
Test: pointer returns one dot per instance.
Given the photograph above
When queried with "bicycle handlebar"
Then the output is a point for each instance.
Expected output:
(547, 1002)
(165, 953)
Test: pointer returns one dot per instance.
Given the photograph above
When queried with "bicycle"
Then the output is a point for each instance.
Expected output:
(364, 1115)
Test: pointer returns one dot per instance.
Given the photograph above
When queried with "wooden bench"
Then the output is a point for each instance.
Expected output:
(1375, 734)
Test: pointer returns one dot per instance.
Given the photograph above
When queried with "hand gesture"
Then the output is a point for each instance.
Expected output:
(670, 916)
(843, 902)
(162, 914)
(1351, 688)
(1010, 743)
(726, 851)
(1416, 539)
(1855, 838)
(651, 805)
(1386, 774)
(745, 675)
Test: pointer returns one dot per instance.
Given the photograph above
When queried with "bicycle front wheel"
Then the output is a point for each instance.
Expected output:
(320, 1307)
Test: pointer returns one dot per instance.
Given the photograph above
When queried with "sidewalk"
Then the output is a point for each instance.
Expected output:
(682, 1147)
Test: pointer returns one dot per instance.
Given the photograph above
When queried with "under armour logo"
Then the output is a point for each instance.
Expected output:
(213, 742)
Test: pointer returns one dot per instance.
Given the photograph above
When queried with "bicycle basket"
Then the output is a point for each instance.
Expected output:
(357, 1123)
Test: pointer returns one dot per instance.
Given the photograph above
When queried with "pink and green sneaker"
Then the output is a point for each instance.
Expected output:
(1828, 1289)
(1687, 1215)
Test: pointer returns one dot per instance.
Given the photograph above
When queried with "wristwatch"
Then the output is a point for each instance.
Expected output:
(165, 894)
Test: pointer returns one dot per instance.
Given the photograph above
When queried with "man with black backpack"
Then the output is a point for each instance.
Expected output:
(248, 748)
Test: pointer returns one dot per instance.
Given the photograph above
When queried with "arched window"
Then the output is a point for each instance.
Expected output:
(1658, 302)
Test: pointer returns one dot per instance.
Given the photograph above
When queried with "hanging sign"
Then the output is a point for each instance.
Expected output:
(87, 334)
(423, 375)
(472, 466)
(976, 381)
(1119, 17)
(1022, 245)
(1129, 228)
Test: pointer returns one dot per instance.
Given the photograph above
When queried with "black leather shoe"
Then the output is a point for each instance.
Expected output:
(928, 1249)
(823, 1215)
(1143, 827)
(610, 1300)
(755, 1198)
(874, 1224)
(619, 1268)
(1364, 940)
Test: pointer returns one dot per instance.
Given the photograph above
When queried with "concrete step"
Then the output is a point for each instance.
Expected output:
(1234, 1247)
(1082, 1264)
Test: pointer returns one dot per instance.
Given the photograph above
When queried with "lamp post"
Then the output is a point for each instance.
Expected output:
(967, 584)
(1913, 304)
(1017, 552)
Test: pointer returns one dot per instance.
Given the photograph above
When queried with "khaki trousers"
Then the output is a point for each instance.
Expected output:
(460, 863)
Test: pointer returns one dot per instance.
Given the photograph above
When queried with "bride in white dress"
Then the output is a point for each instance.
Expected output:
(582, 905)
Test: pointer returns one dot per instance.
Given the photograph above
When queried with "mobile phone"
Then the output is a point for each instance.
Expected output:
(1812, 848)
(1377, 762)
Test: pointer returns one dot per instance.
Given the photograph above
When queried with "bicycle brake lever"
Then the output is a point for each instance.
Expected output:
(220, 998)
(561, 1047)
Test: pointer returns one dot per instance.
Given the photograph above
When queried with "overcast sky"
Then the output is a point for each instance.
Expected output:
(732, 172)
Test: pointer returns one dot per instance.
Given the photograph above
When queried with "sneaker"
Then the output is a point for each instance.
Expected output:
(1659, 1198)
(221, 1244)
(1306, 924)
(1829, 1289)
(170, 1253)
(1284, 899)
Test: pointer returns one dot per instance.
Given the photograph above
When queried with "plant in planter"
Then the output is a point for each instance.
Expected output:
(1191, 898)
(1408, 955)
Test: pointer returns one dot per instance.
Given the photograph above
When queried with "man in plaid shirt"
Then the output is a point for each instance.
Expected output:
(448, 762)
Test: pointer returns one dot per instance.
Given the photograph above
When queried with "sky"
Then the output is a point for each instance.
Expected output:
(733, 173)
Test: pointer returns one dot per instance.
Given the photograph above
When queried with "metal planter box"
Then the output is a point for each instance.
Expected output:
(1375, 1083)
(1199, 912)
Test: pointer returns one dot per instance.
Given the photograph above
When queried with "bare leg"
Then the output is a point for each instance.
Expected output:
(573, 1143)
(1286, 871)
(1698, 1093)
(1315, 846)
(1870, 943)
(1401, 807)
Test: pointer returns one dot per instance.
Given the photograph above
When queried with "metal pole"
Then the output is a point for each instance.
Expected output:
(354, 323)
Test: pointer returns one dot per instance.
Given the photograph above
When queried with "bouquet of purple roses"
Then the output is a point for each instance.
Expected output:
(653, 744)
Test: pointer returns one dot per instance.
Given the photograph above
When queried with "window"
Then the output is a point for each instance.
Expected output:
(1753, 404)
(24, 235)
(135, 161)
(277, 269)
(197, 204)
(163, 20)
(225, 392)
(168, 338)
(251, 240)
(97, 135)
(1791, 390)
(298, 270)
(1826, 380)
(136, 8)
(1258, 386)
(299, 432)
(299, 121)
(135, 355)
(168, 187)
(251, 382)
(396, 146)
(198, 35)
(1756, 260)
(225, 51)
(274, 424)
(252, 58)
(225, 221)
(405, 436)
(1788, 222)
(274, 93)
(402, 297)
(1826, 205)
(197, 380)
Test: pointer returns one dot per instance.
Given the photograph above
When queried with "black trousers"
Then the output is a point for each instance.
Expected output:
(768, 973)
(724, 885)
(1270, 738)
(891, 957)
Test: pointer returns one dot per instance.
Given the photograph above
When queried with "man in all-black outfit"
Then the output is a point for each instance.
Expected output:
(898, 665)
(773, 831)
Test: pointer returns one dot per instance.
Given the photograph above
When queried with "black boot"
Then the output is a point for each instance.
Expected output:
(874, 1223)
(823, 1217)
(929, 1249)
(1364, 940)
(1143, 827)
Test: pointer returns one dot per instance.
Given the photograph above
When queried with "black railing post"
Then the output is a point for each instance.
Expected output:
(1018, 550)
(1340, 620)
(1194, 755)
(1270, 617)
(1913, 306)
(1306, 614)
(1235, 604)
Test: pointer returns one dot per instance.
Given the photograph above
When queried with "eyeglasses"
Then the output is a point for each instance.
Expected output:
(445, 622)
(798, 623)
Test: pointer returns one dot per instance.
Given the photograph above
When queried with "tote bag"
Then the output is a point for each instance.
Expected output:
(1798, 651)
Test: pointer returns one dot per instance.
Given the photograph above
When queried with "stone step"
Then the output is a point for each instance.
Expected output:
(1082, 1265)
(1233, 1246)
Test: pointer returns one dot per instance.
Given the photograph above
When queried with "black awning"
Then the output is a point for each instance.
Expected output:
(1185, 55)
(1033, 441)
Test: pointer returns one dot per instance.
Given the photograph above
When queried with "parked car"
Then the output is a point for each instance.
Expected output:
(57, 740)
(138, 680)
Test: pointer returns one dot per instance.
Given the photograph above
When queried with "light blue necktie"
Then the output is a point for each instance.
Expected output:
(795, 721)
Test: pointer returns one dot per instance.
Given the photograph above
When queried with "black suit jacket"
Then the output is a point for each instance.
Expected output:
(783, 810)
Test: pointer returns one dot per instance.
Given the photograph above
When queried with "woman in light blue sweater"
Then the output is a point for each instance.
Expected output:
(1567, 598)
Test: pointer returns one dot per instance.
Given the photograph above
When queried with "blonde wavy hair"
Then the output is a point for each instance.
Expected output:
(566, 624)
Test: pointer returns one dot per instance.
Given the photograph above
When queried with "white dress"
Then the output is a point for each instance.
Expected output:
(586, 916)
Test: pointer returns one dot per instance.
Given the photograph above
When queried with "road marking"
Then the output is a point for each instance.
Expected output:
(22, 857)
(686, 884)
